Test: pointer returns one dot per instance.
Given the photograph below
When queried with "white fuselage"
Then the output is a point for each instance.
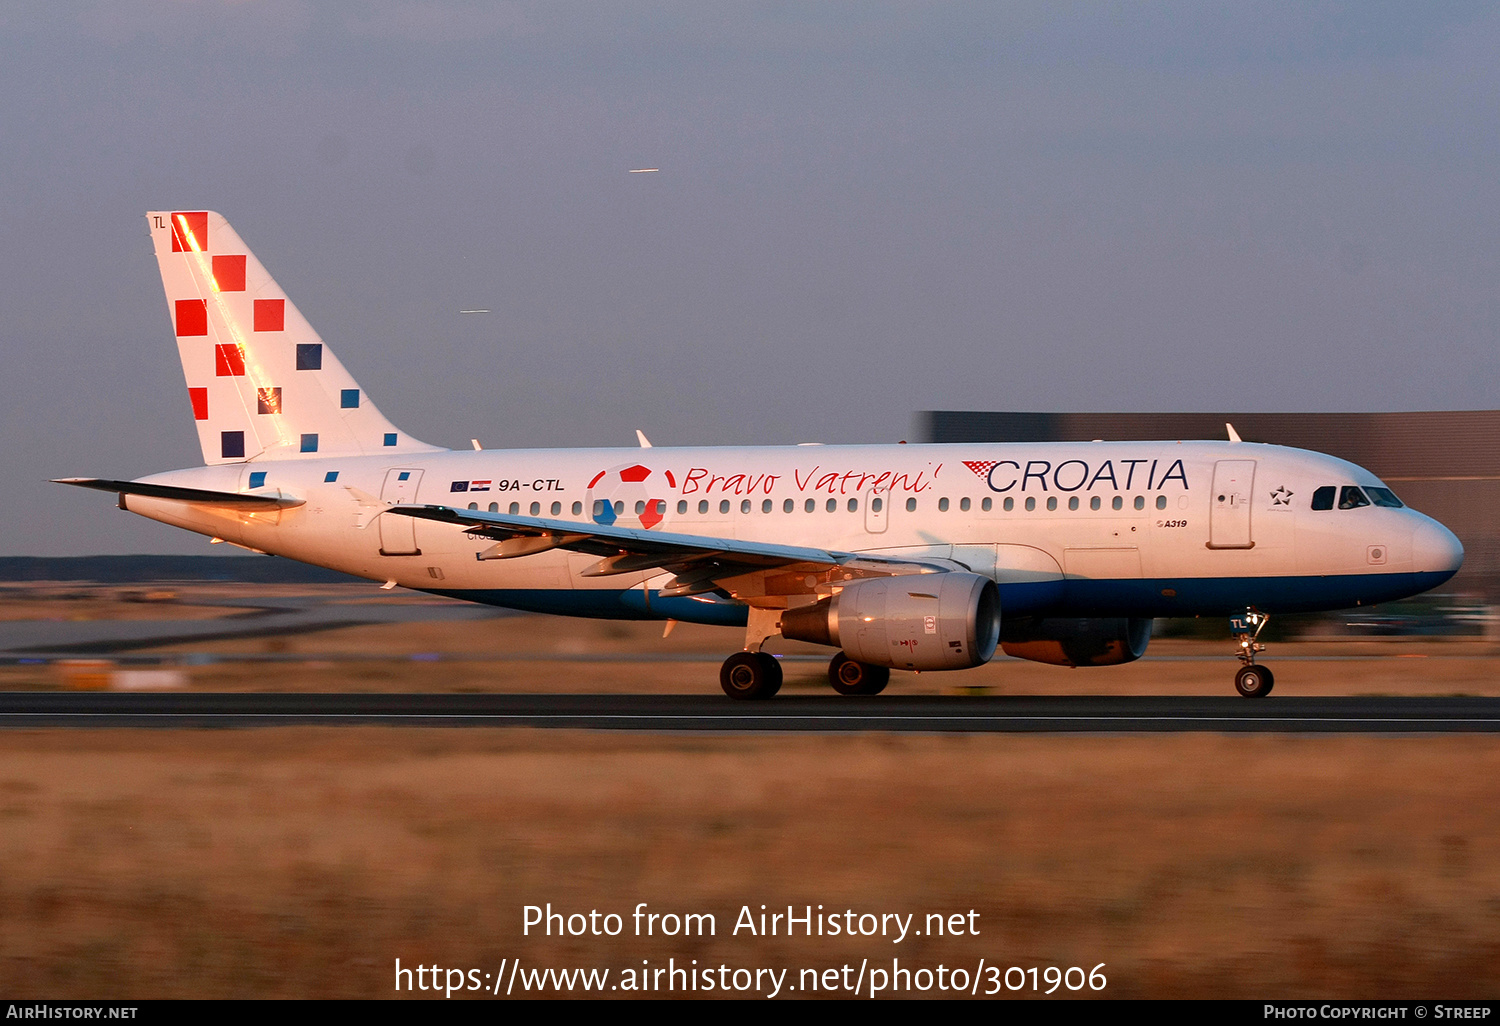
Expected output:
(1065, 529)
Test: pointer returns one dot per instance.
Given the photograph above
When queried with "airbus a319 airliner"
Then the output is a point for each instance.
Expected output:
(910, 557)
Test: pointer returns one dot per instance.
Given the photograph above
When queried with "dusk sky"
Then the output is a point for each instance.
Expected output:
(863, 210)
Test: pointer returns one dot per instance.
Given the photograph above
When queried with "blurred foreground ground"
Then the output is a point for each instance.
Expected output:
(303, 862)
(532, 653)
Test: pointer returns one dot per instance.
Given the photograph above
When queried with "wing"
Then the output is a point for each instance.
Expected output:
(745, 570)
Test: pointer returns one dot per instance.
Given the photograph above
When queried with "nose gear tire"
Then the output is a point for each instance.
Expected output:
(1254, 681)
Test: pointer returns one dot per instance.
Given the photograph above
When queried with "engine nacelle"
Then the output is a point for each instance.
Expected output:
(1106, 641)
(947, 621)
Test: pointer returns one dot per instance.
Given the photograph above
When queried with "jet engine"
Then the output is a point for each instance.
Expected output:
(947, 621)
(1106, 641)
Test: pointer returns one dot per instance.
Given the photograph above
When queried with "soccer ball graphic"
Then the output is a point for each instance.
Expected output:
(631, 495)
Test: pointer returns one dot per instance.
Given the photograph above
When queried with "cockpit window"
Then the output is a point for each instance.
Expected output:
(1384, 497)
(1351, 497)
(1323, 497)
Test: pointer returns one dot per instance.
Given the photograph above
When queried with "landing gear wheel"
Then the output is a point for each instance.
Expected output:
(851, 678)
(750, 675)
(1254, 681)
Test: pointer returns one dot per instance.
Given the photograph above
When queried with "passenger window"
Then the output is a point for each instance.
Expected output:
(536, 509)
(853, 505)
(1094, 502)
(577, 509)
(495, 507)
(911, 505)
(1384, 497)
(833, 505)
(876, 504)
(515, 509)
(765, 506)
(786, 507)
(557, 509)
(1072, 502)
(619, 508)
(1140, 502)
(1051, 503)
(1161, 502)
(1030, 503)
(1323, 497)
(681, 506)
(1351, 497)
(943, 504)
(702, 505)
(987, 504)
(723, 505)
(744, 505)
(809, 505)
(1010, 504)
(473, 505)
(963, 505)
(1118, 503)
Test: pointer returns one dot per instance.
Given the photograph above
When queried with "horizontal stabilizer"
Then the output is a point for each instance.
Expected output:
(196, 496)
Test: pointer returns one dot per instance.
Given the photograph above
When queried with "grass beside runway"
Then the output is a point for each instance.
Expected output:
(301, 862)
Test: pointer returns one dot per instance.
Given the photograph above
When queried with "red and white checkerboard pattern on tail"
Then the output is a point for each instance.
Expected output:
(261, 383)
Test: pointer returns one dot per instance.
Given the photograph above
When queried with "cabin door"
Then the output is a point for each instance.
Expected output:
(1229, 505)
(398, 534)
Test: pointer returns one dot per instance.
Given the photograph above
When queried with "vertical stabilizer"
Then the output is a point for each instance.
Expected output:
(261, 383)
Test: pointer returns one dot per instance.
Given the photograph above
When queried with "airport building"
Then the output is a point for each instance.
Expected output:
(1446, 464)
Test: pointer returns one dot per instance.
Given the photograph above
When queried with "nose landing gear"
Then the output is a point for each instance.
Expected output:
(1252, 680)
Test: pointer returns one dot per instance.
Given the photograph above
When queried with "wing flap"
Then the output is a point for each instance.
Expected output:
(746, 569)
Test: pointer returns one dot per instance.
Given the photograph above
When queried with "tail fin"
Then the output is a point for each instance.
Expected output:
(261, 382)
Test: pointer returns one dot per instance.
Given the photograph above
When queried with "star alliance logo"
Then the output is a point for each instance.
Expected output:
(1281, 496)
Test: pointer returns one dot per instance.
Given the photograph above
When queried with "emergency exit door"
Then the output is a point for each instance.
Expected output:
(1229, 506)
(876, 513)
(398, 534)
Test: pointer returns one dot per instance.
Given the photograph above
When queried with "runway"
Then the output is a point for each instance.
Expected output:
(1075, 714)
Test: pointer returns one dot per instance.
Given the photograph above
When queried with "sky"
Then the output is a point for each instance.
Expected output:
(864, 210)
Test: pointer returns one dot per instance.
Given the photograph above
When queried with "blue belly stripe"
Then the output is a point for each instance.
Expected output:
(633, 604)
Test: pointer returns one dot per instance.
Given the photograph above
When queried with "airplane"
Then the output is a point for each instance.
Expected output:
(908, 557)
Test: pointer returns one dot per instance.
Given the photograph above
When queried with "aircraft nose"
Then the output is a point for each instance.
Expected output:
(1435, 548)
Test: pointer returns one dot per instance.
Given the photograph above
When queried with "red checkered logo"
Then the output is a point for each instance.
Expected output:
(229, 273)
(190, 232)
(981, 468)
(192, 317)
(270, 314)
(229, 361)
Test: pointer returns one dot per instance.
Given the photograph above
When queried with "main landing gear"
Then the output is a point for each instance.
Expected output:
(753, 674)
(757, 675)
(1252, 680)
(750, 675)
(851, 678)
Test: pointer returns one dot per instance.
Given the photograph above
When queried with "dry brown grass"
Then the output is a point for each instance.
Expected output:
(302, 862)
